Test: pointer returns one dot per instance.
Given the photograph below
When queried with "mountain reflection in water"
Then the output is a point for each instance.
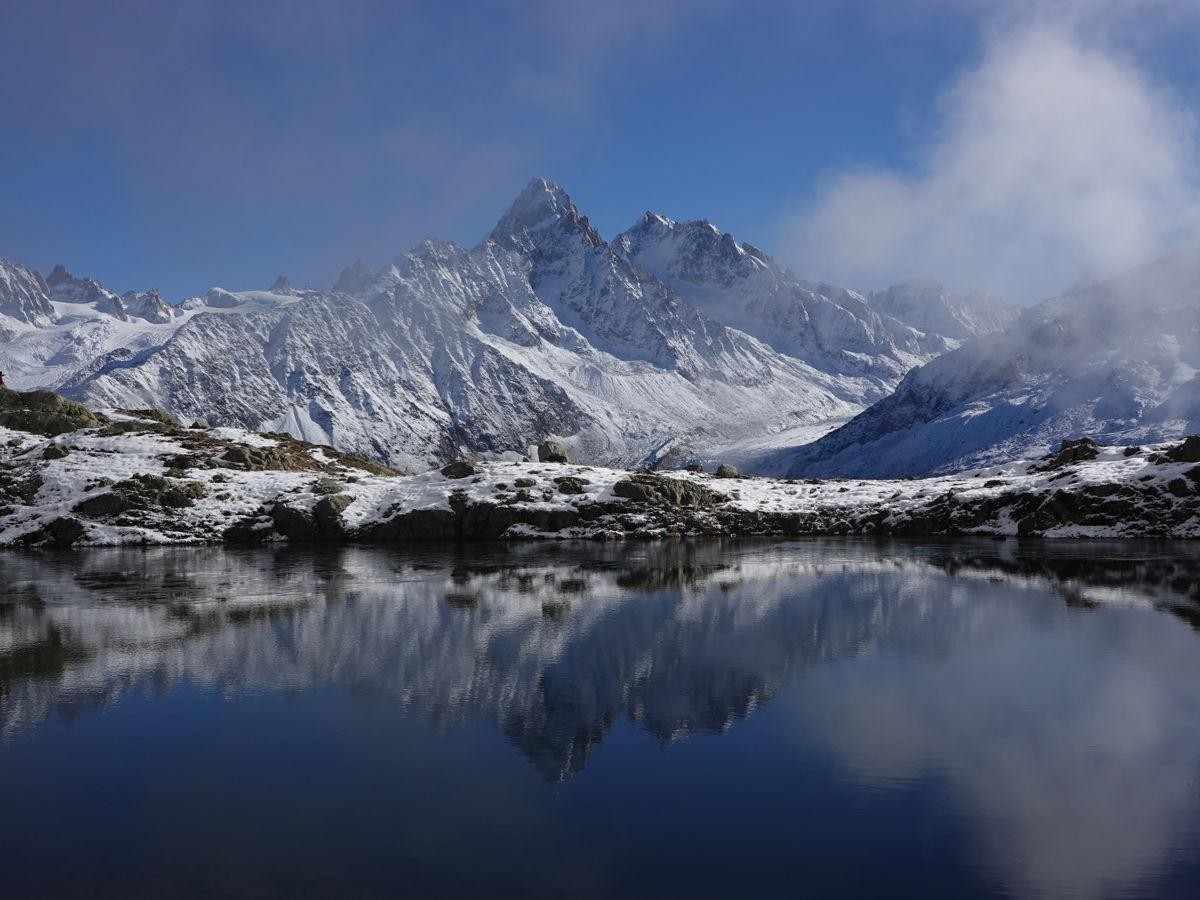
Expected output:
(1053, 690)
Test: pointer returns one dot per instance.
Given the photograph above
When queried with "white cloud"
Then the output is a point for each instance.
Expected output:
(1055, 156)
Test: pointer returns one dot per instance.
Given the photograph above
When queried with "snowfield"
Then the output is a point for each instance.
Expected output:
(138, 481)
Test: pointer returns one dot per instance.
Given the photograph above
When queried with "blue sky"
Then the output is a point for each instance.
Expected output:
(190, 144)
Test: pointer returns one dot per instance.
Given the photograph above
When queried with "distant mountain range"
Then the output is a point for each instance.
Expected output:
(1117, 360)
(671, 342)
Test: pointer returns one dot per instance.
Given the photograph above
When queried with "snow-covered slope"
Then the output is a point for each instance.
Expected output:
(929, 307)
(69, 475)
(671, 342)
(1118, 361)
(830, 328)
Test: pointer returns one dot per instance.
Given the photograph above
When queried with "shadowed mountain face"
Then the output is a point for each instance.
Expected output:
(1051, 691)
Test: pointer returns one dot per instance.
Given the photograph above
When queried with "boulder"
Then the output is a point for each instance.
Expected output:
(45, 413)
(552, 452)
(258, 459)
(327, 514)
(569, 484)
(326, 485)
(459, 469)
(1071, 451)
(694, 467)
(55, 450)
(1188, 451)
(661, 491)
(63, 531)
(142, 492)
(201, 424)
(725, 470)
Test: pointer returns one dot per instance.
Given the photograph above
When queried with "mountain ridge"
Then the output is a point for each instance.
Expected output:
(543, 329)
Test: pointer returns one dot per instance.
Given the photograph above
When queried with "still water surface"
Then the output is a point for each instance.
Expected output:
(687, 720)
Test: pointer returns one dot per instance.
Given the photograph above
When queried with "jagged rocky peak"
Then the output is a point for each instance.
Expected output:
(355, 277)
(148, 305)
(928, 306)
(24, 295)
(282, 285)
(695, 251)
(59, 275)
(66, 288)
(543, 210)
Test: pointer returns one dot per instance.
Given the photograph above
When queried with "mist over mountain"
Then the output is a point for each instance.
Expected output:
(1116, 360)
(673, 341)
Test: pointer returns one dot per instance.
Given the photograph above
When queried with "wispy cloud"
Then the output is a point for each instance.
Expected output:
(1055, 155)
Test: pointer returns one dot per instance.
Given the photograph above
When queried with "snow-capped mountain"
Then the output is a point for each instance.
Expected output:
(1116, 360)
(830, 328)
(929, 307)
(672, 342)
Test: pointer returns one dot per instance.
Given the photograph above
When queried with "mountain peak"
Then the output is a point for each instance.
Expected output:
(354, 278)
(542, 206)
(282, 285)
(59, 275)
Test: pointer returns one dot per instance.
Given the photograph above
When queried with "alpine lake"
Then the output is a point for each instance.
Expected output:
(685, 719)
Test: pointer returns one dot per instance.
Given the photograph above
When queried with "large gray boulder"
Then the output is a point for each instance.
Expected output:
(552, 452)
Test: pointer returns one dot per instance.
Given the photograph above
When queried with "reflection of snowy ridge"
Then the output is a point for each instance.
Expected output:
(553, 644)
(543, 329)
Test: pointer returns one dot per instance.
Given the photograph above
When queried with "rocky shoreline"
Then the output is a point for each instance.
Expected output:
(71, 476)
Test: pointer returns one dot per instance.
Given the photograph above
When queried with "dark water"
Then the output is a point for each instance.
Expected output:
(694, 720)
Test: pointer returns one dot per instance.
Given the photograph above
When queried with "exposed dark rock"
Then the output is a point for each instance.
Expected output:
(569, 484)
(45, 413)
(201, 424)
(1071, 451)
(322, 523)
(327, 485)
(1131, 451)
(1188, 451)
(552, 452)
(657, 489)
(63, 531)
(459, 469)
(725, 470)
(142, 492)
(55, 450)
(261, 459)
(327, 513)
(694, 467)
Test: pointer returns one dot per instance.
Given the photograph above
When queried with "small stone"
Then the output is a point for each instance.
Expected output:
(55, 450)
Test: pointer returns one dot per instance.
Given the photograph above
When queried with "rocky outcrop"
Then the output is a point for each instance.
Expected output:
(157, 483)
(44, 412)
(552, 452)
